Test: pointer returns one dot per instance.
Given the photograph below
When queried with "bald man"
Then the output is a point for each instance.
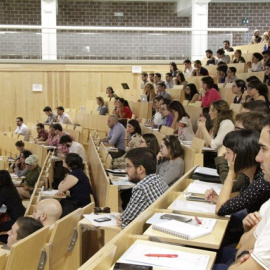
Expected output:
(48, 211)
(116, 136)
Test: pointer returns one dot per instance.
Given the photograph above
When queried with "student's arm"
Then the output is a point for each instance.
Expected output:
(67, 183)
(195, 98)
(249, 264)
(206, 135)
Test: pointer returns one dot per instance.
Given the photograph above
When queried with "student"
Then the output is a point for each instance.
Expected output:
(123, 109)
(173, 68)
(149, 91)
(191, 93)
(255, 106)
(51, 115)
(231, 75)
(256, 63)
(20, 168)
(241, 149)
(170, 160)
(10, 198)
(208, 93)
(222, 118)
(238, 57)
(110, 93)
(141, 169)
(211, 59)
(102, 109)
(77, 183)
(181, 121)
(134, 132)
(257, 91)
(238, 89)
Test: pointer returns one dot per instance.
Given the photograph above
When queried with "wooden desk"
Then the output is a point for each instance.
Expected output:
(173, 248)
(212, 240)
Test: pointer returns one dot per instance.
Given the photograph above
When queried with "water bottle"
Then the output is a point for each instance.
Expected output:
(264, 48)
(180, 135)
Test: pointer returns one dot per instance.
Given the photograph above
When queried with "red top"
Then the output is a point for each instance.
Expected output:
(210, 96)
(127, 112)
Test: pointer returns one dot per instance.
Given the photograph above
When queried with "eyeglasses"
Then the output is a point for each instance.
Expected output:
(130, 166)
(102, 210)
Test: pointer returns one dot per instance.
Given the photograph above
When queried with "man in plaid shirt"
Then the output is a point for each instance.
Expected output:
(141, 164)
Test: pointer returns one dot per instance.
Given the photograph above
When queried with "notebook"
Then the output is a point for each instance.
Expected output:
(200, 187)
(185, 230)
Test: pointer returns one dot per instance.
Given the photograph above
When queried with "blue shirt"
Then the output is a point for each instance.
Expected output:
(117, 136)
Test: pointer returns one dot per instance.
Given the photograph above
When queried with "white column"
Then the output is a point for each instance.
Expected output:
(199, 21)
(48, 19)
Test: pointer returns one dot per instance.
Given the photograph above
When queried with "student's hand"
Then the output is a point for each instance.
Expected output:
(222, 151)
(25, 188)
(245, 257)
(211, 196)
(159, 156)
(59, 193)
(249, 64)
(119, 220)
(17, 162)
(231, 173)
(201, 124)
(251, 220)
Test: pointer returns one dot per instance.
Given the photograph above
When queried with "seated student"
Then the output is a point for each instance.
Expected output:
(256, 63)
(167, 116)
(205, 117)
(246, 120)
(222, 118)
(116, 136)
(62, 117)
(226, 46)
(149, 91)
(222, 73)
(134, 132)
(254, 244)
(141, 169)
(211, 59)
(144, 77)
(23, 227)
(256, 91)
(231, 75)
(157, 78)
(181, 121)
(77, 183)
(170, 160)
(123, 109)
(188, 68)
(169, 80)
(266, 78)
(238, 88)
(173, 68)
(61, 149)
(242, 148)
(22, 129)
(237, 57)
(191, 93)
(47, 211)
(110, 93)
(20, 147)
(10, 198)
(20, 168)
(199, 70)
(53, 138)
(42, 133)
(208, 93)
(157, 118)
(73, 147)
(255, 106)
(222, 57)
(31, 177)
(51, 115)
(180, 79)
(102, 109)
(161, 90)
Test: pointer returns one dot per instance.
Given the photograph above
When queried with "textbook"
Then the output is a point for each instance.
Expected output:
(185, 230)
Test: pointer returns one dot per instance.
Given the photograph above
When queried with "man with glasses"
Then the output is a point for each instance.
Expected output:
(42, 134)
(141, 164)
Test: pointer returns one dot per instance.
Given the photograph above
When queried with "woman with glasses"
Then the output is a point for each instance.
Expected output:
(77, 183)
(238, 88)
(222, 118)
(10, 198)
(31, 177)
(170, 160)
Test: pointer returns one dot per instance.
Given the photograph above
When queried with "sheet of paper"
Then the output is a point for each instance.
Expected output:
(201, 187)
(3, 209)
(206, 171)
(194, 206)
(50, 192)
(112, 216)
(185, 260)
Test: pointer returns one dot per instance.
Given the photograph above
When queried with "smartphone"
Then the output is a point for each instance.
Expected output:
(127, 266)
(196, 198)
(178, 218)
(102, 219)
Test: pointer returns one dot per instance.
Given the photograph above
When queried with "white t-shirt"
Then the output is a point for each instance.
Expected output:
(186, 131)
(261, 252)
(158, 119)
(23, 130)
(78, 149)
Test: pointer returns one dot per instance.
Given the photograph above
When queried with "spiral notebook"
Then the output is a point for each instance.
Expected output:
(185, 230)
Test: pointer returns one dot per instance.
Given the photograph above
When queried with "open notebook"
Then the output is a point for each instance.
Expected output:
(185, 230)
(200, 187)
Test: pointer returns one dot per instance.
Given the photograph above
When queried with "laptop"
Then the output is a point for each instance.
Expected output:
(125, 86)
(144, 98)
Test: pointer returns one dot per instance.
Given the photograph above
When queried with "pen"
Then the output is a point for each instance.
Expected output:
(162, 255)
(197, 220)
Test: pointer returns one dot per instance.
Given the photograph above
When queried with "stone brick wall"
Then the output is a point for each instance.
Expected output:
(123, 45)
